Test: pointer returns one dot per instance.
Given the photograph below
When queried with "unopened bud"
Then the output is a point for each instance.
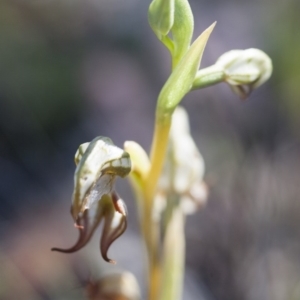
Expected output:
(245, 70)
(119, 286)
(161, 16)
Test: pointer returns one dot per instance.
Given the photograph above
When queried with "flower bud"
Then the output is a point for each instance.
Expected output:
(116, 286)
(245, 70)
(173, 23)
(182, 30)
(161, 16)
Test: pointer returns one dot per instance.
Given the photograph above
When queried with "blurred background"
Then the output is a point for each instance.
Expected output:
(73, 70)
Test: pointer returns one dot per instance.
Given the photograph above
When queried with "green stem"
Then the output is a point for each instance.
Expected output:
(158, 152)
(174, 254)
(208, 76)
(151, 228)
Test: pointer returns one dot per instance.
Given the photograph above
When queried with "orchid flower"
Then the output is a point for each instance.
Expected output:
(94, 197)
(184, 168)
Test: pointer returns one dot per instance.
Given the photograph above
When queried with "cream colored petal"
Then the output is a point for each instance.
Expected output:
(97, 168)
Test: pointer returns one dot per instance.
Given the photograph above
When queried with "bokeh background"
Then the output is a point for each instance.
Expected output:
(73, 70)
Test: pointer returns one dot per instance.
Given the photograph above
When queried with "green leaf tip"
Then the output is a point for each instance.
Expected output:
(181, 79)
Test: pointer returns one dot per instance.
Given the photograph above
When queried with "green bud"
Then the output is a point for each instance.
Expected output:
(182, 29)
(175, 16)
(181, 80)
(161, 17)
